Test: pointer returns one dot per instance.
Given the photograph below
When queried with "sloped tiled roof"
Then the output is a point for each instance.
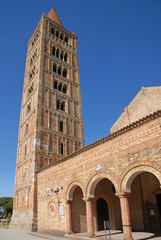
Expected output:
(54, 16)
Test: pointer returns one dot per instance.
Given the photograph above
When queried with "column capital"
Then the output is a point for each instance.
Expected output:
(68, 201)
(123, 194)
(88, 199)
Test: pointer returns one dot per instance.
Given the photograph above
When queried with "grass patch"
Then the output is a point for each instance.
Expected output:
(4, 226)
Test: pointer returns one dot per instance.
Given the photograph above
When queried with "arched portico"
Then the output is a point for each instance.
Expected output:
(94, 180)
(102, 187)
(135, 171)
(71, 188)
(75, 208)
(137, 193)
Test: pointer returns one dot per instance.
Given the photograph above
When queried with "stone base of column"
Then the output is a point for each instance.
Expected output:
(91, 235)
(70, 232)
(124, 238)
(34, 225)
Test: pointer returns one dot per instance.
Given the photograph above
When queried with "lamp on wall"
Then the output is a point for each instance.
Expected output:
(56, 190)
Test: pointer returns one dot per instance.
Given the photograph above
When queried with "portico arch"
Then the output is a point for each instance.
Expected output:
(75, 208)
(134, 172)
(96, 179)
(102, 187)
(71, 188)
(142, 184)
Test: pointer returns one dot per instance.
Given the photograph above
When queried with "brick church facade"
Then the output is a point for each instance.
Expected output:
(62, 186)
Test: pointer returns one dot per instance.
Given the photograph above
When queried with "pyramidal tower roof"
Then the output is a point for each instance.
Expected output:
(54, 16)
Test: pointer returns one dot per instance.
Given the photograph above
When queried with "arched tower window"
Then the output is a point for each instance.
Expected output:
(65, 57)
(66, 39)
(60, 87)
(57, 34)
(57, 53)
(61, 148)
(65, 89)
(59, 70)
(65, 73)
(28, 108)
(61, 55)
(53, 51)
(27, 127)
(63, 106)
(54, 68)
(58, 105)
(52, 31)
(61, 36)
(61, 126)
(55, 85)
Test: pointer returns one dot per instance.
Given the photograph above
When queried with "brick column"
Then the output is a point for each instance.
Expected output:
(89, 215)
(69, 216)
(125, 213)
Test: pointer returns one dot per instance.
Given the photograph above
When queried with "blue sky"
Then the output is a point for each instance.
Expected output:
(119, 44)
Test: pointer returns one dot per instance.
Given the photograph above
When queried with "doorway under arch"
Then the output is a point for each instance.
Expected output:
(102, 213)
(104, 193)
(144, 203)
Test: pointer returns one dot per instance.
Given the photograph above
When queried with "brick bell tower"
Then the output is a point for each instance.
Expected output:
(51, 124)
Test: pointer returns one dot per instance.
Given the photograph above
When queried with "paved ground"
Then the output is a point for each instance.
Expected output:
(118, 235)
(8, 234)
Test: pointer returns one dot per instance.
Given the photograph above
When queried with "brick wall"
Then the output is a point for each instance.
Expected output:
(147, 101)
(134, 149)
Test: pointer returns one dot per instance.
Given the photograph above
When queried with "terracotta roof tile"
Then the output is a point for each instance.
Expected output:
(54, 16)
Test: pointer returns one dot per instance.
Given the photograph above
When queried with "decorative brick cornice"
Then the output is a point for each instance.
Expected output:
(121, 131)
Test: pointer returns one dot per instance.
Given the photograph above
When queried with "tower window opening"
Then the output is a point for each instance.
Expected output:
(58, 105)
(59, 70)
(61, 36)
(61, 56)
(27, 126)
(61, 148)
(65, 57)
(57, 53)
(65, 89)
(55, 85)
(61, 126)
(60, 87)
(33, 58)
(66, 39)
(52, 31)
(28, 108)
(65, 73)
(54, 68)
(63, 106)
(25, 150)
(32, 73)
(30, 90)
(30, 76)
(42, 117)
(53, 51)
(57, 34)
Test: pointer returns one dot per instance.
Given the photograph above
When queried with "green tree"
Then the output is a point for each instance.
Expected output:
(8, 207)
(7, 204)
